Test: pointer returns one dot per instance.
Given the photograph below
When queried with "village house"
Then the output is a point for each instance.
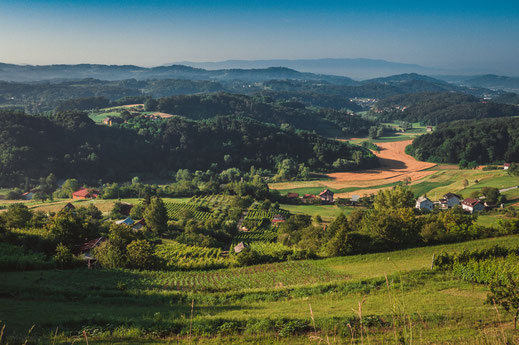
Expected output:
(429, 129)
(472, 205)
(326, 196)
(239, 247)
(450, 200)
(87, 250)
(308, 198)
(506, 166)
(423, 203)
(85, 193)
(27, 196)
(278, 218)
(292, 195)
(68, 207)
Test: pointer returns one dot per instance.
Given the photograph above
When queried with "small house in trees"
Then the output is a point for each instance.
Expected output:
(85, 193)
(88, 247)
(450, 200)
(326, 196)
(127, 221)
(278, 218)
(138, 225)
(472, 205)
(423, 203)
(68, 207)
(292, 195)
(27, 196)
(429, 129)
(239, 247)
(308, 198)
(506, 166)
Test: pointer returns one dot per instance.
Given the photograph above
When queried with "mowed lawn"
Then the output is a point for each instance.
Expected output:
(327, 212)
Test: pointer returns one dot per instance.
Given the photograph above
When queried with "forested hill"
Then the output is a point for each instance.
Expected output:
(264, 109)
(71, 145)
(483, 142)
(436, 108)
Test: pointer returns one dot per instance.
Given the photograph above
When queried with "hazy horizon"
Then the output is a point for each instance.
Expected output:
(444, 35)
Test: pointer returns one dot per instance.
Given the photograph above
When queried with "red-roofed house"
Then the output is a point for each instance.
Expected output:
(472, 205)
(292, 195)
(278, 218)
(506, 166)
(85, 193)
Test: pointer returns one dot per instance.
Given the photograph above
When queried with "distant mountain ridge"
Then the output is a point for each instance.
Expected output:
(29, 73)
(490, 81)
(359, 69)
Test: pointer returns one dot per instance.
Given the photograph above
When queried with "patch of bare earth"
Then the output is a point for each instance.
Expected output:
(395, 166)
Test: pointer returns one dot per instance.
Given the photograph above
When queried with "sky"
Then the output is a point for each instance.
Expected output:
(443, 34)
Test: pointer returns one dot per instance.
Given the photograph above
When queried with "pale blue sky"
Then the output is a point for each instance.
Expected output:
(456, 34)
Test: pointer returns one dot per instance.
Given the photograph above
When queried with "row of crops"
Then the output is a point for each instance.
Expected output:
(261, 276)
(176, 255)
(255, 214)
(177, 209)
(258, 235)
(211, 201)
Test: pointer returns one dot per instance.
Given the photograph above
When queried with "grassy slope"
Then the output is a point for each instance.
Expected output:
(69, 299)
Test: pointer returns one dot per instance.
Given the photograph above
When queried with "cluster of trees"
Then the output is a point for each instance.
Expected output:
(470, 142)
(263, 108)
(29, 149)
(437, 108)
(391, 223)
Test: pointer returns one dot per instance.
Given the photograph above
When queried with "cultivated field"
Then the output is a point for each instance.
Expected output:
(290, 302)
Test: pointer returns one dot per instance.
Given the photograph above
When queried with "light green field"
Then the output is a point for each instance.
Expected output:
(99, 117)
(327, 212)
(440, 307)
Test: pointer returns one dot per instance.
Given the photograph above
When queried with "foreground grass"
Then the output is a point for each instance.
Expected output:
(132, 306)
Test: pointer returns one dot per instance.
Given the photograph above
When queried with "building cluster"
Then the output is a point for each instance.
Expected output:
(326, 197)
(451, 200)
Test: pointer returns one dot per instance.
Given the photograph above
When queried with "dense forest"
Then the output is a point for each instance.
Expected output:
(481, 142)
(264, 109)
(436, 108)
(70, 145)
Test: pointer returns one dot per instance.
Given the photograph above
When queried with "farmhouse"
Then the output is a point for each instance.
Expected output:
(472, 205)
(127, 221)
(68, 207)
(423, 203)
(110, 120)
(429, 129)
(450, 200)
(85, 193)
(326, 196)
(239, 247)
(278, 218)
(28, 195)
(506, 166)
(309, 198)
(87, 248)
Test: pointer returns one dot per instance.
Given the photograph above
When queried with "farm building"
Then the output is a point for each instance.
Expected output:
(138, 225)
(87, 248)
(110, 120)
(27, 196)
(292, 195)
(450, 200)
(472, 205)
(429, 129)
(85, 193)
(423, 203)
(309, 198)
(127, 221)
(326, 196)
(68, 207)
(506, 166)
(278, 218)
(239, 247)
